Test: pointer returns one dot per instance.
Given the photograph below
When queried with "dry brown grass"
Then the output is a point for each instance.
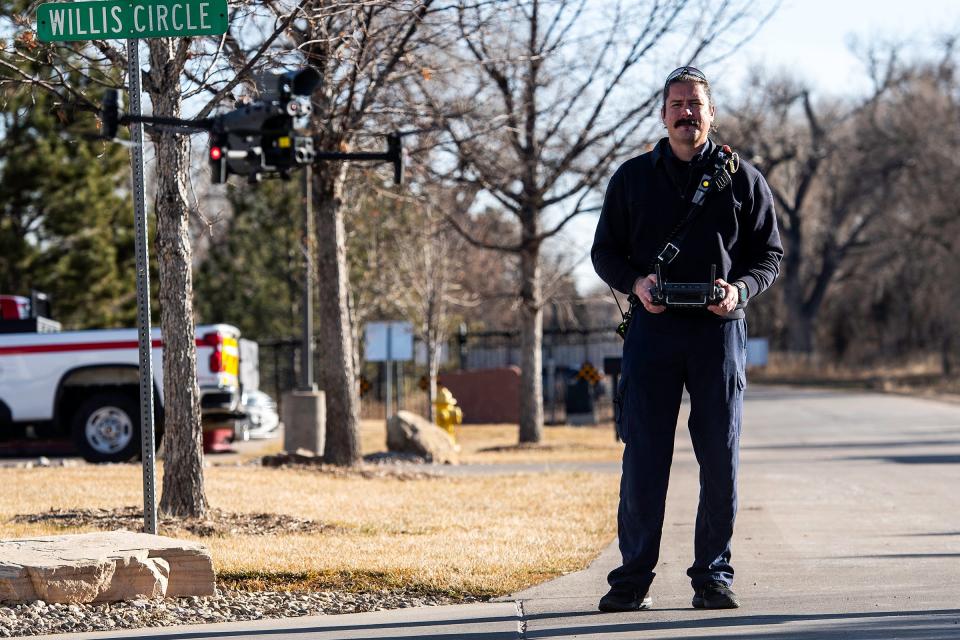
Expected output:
(495, 443)
(482, 444)
(921, 374)
(479, 535)
(801, 366)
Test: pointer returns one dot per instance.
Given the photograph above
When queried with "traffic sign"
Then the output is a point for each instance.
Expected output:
(589, 373)
(121, 19)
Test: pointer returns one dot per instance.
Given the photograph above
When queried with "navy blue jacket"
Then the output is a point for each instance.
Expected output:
(649, 195)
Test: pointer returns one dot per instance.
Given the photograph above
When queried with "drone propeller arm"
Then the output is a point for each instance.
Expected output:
(393, 154)
(201, 124)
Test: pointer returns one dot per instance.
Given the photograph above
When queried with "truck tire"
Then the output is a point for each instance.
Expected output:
(106, 428)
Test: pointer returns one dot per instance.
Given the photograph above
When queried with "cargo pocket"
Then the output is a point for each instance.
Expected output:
(742, 369)
(619, 398)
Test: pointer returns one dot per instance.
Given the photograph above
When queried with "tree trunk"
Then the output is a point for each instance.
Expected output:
(434, 311)
(800, 325)
(432, 353)
(531, 343)
(800, 330)
(430, 341)
(336, 373)
(946, 356)
(183, 492)
(356, 325)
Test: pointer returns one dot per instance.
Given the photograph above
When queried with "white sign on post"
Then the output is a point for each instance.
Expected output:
(388, 341)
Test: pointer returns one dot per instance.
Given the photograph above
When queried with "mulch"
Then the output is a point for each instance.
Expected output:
(218, 523)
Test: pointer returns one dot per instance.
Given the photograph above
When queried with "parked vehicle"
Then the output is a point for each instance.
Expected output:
(262, 420)
(85, 384)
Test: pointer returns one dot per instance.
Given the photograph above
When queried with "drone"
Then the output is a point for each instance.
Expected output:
(262, 138)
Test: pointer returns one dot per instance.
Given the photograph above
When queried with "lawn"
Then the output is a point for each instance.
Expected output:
(497, 443)
(480, 535)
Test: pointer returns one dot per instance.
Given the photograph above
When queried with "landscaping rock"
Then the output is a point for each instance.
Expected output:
(102, 567)
(409, 433)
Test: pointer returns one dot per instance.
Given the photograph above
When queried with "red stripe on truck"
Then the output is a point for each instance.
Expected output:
(80, 346)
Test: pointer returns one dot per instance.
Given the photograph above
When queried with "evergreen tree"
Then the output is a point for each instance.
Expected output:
(66, 226)
(252, 276)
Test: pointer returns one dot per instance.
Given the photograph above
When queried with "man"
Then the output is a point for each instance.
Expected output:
(733, 229)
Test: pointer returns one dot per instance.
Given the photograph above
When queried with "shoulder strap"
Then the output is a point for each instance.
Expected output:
(715, 178)
(718, 180)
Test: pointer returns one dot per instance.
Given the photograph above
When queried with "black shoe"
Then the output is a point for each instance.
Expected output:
(715, 595)
(623, 598)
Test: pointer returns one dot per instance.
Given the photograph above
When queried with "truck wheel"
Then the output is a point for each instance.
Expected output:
(106, 428)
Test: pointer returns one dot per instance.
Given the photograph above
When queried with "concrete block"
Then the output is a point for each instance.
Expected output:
(103, 566)
(304, 421)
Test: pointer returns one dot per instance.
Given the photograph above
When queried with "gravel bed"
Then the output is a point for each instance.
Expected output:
(40, 618)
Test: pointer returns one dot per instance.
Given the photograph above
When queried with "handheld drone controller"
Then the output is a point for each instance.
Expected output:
(687, 294)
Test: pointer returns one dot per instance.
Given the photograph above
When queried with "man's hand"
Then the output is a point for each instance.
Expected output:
(641, 288)
(729, 302)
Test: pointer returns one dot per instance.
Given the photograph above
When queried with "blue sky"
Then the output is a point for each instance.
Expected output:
(811, 38)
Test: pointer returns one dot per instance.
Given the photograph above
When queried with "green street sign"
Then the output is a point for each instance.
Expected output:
(121, 19)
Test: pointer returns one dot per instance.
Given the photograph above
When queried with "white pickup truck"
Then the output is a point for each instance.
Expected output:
(85, 384)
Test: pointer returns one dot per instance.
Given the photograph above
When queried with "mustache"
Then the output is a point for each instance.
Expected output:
(683, 121)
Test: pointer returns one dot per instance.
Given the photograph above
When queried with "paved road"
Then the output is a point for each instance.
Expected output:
(849, 528)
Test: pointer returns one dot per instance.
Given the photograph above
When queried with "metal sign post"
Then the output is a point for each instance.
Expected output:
(123, 19)
(388, 368)
(143, 295)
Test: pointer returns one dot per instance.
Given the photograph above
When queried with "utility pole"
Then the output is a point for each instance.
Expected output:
(305, 410)
(306, 360)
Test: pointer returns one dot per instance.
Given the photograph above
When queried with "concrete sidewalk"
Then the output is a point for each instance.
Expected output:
(848, 528)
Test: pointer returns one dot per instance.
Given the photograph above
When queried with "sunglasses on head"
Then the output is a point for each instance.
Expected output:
(682, 72)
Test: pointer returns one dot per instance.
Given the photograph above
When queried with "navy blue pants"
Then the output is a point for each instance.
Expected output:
(662, 354)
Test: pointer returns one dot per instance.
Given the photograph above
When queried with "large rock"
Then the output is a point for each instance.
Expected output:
(409, 433)
(103, 566)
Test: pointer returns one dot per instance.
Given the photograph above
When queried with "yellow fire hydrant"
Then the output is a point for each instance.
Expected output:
(448, 414)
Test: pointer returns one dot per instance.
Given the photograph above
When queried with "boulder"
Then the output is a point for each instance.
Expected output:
(102, 567)
(409, 433)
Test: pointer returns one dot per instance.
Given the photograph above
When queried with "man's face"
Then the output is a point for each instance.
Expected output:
(688, 114)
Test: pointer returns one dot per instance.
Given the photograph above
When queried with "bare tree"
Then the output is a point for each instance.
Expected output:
(407, 261)
(429, 276)
(913, 270)
(540, 98)
(833, 179)
(359, 48)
